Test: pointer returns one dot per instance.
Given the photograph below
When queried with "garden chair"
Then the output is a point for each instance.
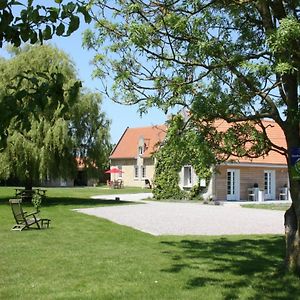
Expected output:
(23, 219)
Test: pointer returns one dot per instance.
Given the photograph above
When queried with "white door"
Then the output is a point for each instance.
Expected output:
(187, 176)
(270, 187)
(233, 185)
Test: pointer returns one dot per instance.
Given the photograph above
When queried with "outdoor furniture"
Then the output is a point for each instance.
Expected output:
(112, 184)
(25, 220)
(25, 194)
(148, 183)
(252, 194)
(283, 193)
(118, 184)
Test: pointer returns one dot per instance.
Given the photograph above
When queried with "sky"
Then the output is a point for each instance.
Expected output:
(121, 116)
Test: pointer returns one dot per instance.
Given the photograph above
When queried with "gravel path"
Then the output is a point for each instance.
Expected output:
(169, 218)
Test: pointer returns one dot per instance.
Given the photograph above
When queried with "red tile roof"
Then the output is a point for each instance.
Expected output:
(127, 147)
(276, 136)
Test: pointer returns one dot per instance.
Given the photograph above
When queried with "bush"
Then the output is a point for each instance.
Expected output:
(37, 201)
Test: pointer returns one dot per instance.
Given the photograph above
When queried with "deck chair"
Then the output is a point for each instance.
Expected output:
(23, 219)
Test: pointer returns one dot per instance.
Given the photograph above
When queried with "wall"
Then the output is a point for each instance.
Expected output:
(194, 178)
(129, 171)
(248, 176)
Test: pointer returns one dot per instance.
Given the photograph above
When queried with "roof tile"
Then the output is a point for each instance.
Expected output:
(127, 146)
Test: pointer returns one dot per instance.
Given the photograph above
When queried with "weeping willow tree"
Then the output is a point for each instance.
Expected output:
(41, 102)
(90, 132)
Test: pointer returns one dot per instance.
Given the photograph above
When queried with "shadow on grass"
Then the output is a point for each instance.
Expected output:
(248, 268)
(51, 201)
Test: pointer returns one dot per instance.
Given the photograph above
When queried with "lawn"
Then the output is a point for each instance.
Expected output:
(277, 206)
(84, 257)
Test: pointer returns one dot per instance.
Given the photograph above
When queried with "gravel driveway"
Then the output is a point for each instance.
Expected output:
(173, 218)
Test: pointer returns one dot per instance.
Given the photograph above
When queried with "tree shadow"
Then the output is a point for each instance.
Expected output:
(53, 201)
(234, 265)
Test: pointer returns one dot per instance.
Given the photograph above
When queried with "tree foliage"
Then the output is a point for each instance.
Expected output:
(25, 21)
(233, 60)
(40, 130)
(218, 59)
(90, 132)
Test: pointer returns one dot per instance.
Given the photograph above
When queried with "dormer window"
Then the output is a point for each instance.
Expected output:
(141, 150)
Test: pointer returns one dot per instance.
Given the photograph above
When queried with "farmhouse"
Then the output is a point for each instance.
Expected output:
(133, 154)
(256, 179)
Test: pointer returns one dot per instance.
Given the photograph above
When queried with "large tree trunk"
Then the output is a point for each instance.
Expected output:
(292, 226)
(27, 197)
(291, 223)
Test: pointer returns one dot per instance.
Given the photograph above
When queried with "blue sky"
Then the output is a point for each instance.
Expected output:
(121, 116)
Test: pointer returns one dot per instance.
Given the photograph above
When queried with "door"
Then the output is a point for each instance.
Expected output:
(233, 185)
(270, 187)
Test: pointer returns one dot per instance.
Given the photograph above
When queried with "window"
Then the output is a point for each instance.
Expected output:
(230, 183)
(143, 171)
(141, 150)
(136, 172)
(268, 182)
(187, 176)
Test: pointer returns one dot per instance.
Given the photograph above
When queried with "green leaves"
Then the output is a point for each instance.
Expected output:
(173, 53)
(183, 145)
(60, 29)
(288, 33)
(3, 4)
(46, 120)
(47, 33)
(39, 22)
(73, 25)
(284, 43)
(35, 85)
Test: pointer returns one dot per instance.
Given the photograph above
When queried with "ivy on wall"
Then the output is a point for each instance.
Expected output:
(183, 145)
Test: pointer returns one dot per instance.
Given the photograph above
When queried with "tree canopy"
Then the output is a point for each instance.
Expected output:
(234, 60)
(218, 59)
(26, 21)
(46, 121)
(90, 131)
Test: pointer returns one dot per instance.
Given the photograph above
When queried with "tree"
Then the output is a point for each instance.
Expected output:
(235, 60)
(41, 103)
(90, 133)
(29, 22)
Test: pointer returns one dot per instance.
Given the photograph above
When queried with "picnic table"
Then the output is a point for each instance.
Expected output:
(23, 193)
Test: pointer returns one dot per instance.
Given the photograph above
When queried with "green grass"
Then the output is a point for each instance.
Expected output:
(279, 206)
(84, 257)
(77, 192)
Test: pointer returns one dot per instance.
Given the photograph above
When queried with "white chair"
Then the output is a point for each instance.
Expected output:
(283, 193)
(252, 194)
